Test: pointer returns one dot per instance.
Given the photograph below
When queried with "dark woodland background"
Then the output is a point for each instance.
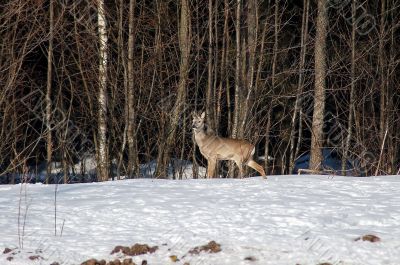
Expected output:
(124, 92)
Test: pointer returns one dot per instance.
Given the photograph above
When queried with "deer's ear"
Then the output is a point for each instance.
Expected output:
(203, 115)
(194, 114)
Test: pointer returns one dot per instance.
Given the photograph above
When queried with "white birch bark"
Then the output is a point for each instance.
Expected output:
(102, 97)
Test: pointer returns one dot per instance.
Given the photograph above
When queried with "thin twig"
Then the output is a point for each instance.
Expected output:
(380, 156)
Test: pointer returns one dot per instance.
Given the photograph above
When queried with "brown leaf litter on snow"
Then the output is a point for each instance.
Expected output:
(211, 247)
(127, 261)
(250, 258)
(135, 250)
(370, 238)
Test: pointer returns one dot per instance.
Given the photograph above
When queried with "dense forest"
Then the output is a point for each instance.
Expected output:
(117, 80)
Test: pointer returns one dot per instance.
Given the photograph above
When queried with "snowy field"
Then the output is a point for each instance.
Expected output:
(284, 220)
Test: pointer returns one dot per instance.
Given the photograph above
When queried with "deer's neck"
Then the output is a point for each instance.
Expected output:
(202, 137)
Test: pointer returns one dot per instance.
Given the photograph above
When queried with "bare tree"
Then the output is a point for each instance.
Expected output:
(300, 84)
(317, 137)
(382, 72)
(102, 164)
(133, 161)
(185, 40)
(49, 142)
(121, 75)
(210, 99)
(238, 67)
(352, 87)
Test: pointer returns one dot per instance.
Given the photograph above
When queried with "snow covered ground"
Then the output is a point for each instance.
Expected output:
(283, 220)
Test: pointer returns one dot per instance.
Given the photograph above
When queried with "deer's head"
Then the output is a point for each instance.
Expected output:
(198, 123)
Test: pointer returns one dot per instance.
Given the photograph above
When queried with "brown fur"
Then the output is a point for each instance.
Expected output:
(215, 148)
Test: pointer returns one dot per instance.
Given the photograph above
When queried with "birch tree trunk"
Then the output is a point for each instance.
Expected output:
(102, 160)
(49, 142)
(236, 113)
(317, 137)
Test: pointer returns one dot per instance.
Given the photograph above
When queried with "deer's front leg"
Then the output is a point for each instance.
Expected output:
(240, 171)
(211, 168)
(240, 166)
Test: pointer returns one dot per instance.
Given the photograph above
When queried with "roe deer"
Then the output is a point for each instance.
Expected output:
(215, 148)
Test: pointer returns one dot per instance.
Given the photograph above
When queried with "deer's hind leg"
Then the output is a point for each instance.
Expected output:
(253, 164)
(240, 166)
